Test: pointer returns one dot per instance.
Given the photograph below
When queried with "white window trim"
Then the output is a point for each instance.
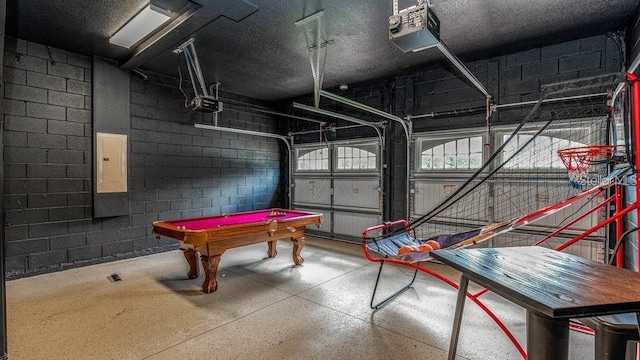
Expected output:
(443, 137)
(357, 145)
(310, 149)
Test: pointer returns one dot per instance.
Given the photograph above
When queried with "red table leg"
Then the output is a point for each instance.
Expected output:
(210, 266)
(298, 244)
(194, 269)
(272, 252)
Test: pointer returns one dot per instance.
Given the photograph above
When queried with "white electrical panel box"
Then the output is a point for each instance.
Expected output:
(111, 171)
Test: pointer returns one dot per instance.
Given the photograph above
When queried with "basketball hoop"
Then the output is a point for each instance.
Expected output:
(578, 159)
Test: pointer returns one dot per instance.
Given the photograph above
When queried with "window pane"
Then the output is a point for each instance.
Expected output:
(426, 162)
(476, 144)
(463, 146)
(449, 162)
(463, 161)
(450, 147)
(438, 162)
(438, 150)
(475, 161)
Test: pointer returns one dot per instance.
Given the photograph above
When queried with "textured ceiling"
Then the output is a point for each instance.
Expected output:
(264, 55)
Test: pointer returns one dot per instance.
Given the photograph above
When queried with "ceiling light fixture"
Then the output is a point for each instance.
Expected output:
(141, 25)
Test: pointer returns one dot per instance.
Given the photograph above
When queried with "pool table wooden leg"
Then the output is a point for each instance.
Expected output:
(194, 268)
(210, 267)
(272, 252)
(298, 244)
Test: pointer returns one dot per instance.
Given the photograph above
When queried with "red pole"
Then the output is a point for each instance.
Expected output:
(617, 215)
(574, 221)
(619, 227)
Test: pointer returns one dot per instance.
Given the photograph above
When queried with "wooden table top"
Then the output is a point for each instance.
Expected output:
(549, 282)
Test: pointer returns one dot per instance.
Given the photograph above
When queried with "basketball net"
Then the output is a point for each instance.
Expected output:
(578, 159)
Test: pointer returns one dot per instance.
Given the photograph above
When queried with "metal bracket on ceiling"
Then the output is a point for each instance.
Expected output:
(202, 101)
(193, 65)
(317, 49)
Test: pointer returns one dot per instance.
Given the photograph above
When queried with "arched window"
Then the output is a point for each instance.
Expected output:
(313, 160)
(457, 154)
(353, 158)
(541, 153)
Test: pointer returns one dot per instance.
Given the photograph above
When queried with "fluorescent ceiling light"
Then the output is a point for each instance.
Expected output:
(141, 25)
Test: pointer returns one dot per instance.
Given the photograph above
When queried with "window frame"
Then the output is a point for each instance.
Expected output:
(437, 138)
(362, 147)
(308, 150)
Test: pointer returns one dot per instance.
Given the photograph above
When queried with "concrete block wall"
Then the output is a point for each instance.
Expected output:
(176, 169)
(509, 78)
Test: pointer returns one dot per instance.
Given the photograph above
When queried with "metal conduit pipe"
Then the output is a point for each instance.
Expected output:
(450, 113)
(257, 133)
(319, 130)
(549, 100)
(501, 106)
(405, 127)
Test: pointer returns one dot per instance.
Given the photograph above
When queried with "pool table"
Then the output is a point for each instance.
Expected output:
(211, 236)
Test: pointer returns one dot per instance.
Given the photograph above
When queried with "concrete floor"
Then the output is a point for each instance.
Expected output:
(264, 309)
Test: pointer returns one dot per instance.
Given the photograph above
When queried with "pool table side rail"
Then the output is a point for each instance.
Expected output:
(241, 214)
(202, 236)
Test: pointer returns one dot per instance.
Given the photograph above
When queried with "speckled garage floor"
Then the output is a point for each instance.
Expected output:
(264, 308)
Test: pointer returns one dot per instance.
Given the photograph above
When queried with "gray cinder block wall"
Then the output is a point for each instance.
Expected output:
(509, 78)
(176, 169)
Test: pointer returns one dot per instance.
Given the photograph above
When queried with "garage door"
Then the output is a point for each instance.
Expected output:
(343, 181)
(443, 162)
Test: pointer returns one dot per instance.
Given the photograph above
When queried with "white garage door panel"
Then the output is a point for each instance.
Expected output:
(430, 193)
(312, 191)
(362, 193)
(352, 224)
(326, 220)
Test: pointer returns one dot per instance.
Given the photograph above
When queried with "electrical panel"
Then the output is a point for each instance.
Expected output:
(415, 28)
(111, 171)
